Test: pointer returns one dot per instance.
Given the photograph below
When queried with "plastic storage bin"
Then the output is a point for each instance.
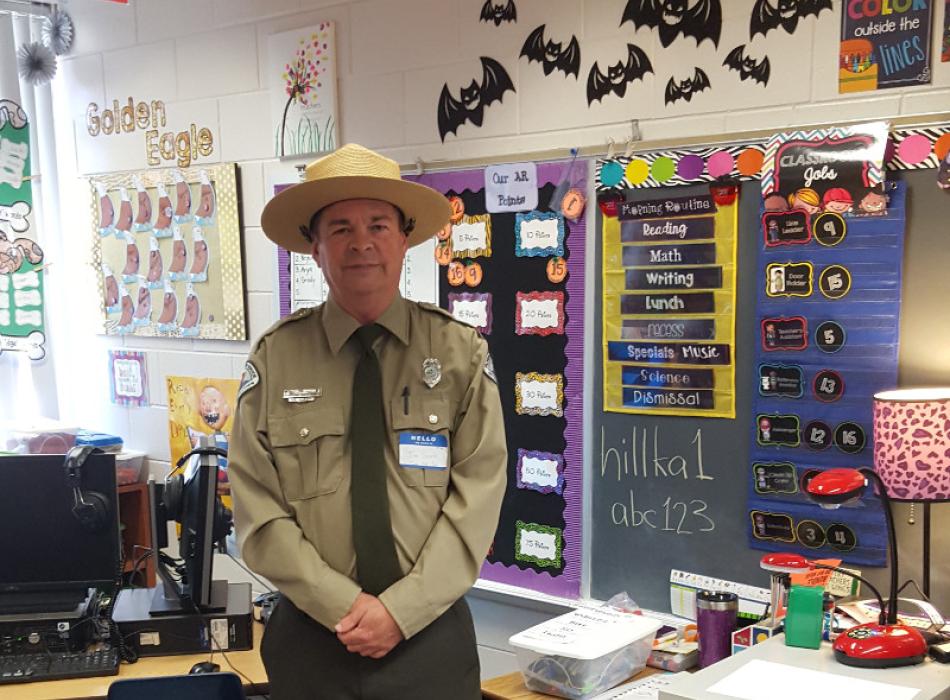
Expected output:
(129, 465)
(584, 652)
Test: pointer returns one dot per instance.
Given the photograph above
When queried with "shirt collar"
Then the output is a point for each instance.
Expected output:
(339, 325)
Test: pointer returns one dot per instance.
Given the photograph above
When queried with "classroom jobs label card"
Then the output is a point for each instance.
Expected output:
(511, 187)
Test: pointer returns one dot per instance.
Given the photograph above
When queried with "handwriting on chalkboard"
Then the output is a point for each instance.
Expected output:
(643, 457)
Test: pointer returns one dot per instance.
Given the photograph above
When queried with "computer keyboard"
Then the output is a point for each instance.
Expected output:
(24, 668)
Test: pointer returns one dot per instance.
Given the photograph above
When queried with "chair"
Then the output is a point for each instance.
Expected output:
(204, 686)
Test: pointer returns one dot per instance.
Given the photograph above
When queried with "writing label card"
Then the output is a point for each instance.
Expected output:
(539, 235)
(784, 333)
(511, 187)
(538, 544)
(662, 208)
(540, 471)
(781, 380)
(539, 313)
(675, 278)
(695, 303)
(786, 228)
(668, 398)
(772, 526)
(673, 230)
(788, 279)
(777, 430)
(539, 394)
(128, 378)
(667, 378)
(473, 309)
(668, 329)
(673, 353)
(775, 477)
(471, 237)
(690, 254)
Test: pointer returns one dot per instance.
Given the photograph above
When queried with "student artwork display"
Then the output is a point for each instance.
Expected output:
(128, 379)
(511, 263)
(837, 170)
(21, 258)
(167, 246)
(301, 283)
(198, 407)
(828, 321)
(301, 70)
(884, 45)
(669, 304)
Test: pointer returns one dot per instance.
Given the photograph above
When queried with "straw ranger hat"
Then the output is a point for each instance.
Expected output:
(352, 172)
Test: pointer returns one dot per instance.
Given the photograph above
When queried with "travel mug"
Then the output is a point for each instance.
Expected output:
(716, 614)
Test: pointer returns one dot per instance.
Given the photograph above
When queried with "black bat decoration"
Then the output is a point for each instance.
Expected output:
(473, 100)
(674, 17)
(685, 89)
(549, 54)
(784, 14)
(747, 66)
(618, 75)
(499, 12)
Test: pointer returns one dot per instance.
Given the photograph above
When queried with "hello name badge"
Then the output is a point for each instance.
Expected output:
(302, 395)
(431, 371)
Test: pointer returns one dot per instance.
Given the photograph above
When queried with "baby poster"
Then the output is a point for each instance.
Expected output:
(202, 406)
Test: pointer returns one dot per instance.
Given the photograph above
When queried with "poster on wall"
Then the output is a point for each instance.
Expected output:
(884, 45)
(945, 44)
(21, 258)
(301, 283)
(517, 275)
(669, 303)
(167, 245)
(837, 170)
(199, 406)
(128, 378)
(301, 76)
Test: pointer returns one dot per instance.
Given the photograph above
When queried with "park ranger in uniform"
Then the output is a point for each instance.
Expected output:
(368, 457)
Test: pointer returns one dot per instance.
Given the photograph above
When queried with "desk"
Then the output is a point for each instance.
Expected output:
(931, 678)
(511, 686)
(247, 662)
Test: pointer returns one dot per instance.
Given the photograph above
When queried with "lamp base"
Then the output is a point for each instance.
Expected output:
(880, 646)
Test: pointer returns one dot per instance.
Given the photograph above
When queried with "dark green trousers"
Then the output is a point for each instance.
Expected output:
(306, 661)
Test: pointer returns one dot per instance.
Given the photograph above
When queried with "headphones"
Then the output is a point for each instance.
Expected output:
(174, 496)
(90, 508)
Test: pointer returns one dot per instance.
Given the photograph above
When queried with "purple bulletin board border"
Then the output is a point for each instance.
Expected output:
(283, 269)
(567, 584)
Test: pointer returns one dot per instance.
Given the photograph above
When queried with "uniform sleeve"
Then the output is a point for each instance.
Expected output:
(271, 541)
(453, 554)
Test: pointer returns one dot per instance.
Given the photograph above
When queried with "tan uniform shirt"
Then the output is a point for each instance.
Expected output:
(289, 462)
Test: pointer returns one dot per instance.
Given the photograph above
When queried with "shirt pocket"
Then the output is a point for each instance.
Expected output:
(308, 450)
(429, 415)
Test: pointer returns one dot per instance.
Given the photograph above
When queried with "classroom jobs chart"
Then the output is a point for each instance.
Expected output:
(669, 303)
(511, 264)
(828, 314)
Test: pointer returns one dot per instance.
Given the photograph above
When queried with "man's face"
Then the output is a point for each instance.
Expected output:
(360, 247)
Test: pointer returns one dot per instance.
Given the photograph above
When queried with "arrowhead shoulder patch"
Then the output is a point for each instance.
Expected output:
(489, 368)
(249, 379)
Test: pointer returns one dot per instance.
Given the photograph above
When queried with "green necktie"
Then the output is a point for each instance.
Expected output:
(376, 562)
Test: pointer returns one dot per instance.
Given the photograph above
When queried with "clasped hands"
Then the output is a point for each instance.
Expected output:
(368, 629)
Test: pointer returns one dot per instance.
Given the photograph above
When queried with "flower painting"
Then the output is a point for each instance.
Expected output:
(301, 69)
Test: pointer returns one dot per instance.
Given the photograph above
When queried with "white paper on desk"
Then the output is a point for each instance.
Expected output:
(767, 679)
(641, 689)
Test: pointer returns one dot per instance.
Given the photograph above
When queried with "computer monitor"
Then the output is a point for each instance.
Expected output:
(48, 558)
(191, 500)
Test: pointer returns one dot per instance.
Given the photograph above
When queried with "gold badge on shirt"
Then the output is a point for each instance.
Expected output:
(431, 371)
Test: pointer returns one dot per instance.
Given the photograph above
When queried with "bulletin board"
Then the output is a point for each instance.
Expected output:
(538, 364)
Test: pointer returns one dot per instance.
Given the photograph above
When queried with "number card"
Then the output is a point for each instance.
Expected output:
(539, 313)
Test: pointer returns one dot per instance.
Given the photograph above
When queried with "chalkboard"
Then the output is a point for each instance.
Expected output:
(690, 472)
(637, 558)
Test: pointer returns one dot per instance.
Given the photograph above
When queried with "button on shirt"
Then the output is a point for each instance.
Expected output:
(290, 461)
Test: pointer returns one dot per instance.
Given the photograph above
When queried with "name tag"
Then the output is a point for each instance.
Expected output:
(423, 451)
